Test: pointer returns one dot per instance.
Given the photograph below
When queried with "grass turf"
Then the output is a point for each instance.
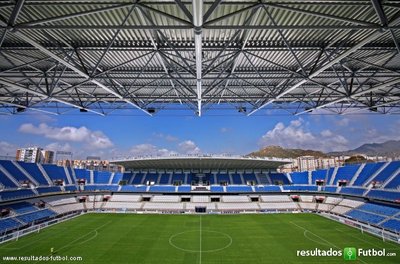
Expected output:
(129, 238)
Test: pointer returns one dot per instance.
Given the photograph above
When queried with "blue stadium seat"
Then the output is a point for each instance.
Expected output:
(329, 189)
(151, 177)
(55, 172)
(318, 175)
(34, 171)
(101, 177)
(8, 224)
(117, 178)
(387, 172)
(216, 188)
(70, 188)
(127, 176)
(368, 170)
(249, 177)
(309, 188)
(267, 188)
(138, 178)
(52, 189)
(365, 217)
(379, 209)
(392, 224)
(239, 188)
(99, 187)
(384, 195)
(352, 191)
(162, 188)
(236, 179)
(14, 171)
(346, 173)
(279, 177)
(184, 188)
(164, 178)
(82, 174)
(36, 216)
(330, 174)
(70, 174)
(223, 177)
(394, 183)
(299, 177)
(23, 193)
(6, 182)
(22, 207)
(131, 188)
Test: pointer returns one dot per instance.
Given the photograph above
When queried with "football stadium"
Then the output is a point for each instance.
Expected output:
(86, 76)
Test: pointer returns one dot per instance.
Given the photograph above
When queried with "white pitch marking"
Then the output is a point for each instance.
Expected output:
(200, 239)
(323, 239)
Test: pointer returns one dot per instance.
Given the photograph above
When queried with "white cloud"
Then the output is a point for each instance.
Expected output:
(7, 149)
(343, 122)
(296, 135)
(90, 139)
(149, 150)
(56, 146)
(188, 147)
(224, 130)
(166, 137)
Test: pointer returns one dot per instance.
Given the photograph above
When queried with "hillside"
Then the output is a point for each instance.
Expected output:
(389, 148)
(279, 152)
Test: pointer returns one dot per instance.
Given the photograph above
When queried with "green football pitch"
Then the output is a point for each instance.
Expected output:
(131, 238)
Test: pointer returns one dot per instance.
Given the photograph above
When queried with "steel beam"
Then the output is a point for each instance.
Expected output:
(75, 69)
(198, 23)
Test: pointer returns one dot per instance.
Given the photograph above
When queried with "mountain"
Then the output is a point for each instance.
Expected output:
(279, 152)
(389, 148)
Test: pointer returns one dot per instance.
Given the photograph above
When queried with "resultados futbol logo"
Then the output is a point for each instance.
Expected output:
(350, 253)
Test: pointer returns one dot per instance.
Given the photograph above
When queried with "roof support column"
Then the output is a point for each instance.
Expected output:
(198, 23)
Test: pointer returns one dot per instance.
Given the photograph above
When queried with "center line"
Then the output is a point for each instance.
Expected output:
(200, 239)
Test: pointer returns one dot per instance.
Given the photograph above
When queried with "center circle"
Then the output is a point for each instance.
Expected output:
(210, 241)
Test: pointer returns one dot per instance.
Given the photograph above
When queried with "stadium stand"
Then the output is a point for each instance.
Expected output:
(394, 183)
(14, 171)
(391, 168)
(368, 170)
(299, 177)
(83, 175)
(318, 175)
(55, 172)
(9, 224)
(161, 188)
(379, 209)
(392, 224)
(272, 188)
(6, 182)
(352, 191)
(365, 217)
(101, 177)
(34, 171)
(22, 207)
(384, 195)
(346, 173)
(36, 216)
(278, 178)
(239, 188)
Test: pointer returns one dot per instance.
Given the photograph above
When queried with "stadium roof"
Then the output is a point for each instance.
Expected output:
(110, 56)
(201, 162)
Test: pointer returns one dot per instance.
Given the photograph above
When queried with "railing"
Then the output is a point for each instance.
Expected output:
(35, 228)
(178, 156)
(379, 232)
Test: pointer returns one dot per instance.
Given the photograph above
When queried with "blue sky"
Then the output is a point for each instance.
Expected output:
(112, 136)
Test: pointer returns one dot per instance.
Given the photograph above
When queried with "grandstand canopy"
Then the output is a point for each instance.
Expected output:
(201, 162)
(147, 56)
